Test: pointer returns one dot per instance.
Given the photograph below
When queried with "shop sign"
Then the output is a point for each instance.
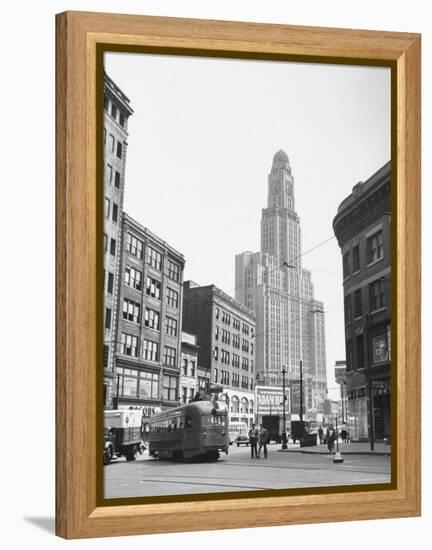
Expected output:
(269, 400)
(380, 350)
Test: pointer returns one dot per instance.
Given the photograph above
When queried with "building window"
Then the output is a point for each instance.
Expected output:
(107, 207)
(133, 278)
(129, 345)
(376, 295)
(225, 377)
(134, 246)
(153, 288)
(107, 318)
(131, 311)
(374, 247)
(185, 366)
(356, 258)
(152, 319)
(172, 297)
(360, 351)
(170, 356)
(111, 143)
(236, 324)
(170, 388)
(110, 282)
(348, 316)
(148, 385)
(154, 258)
(150, 350)
(105, 242)
(117, 179)
(357, 303)
(122, 120)
(173, 270)
(128, 382)
(217, 313)
(193, 365)
(235, 404)
(109, 173)
(215, 375)
(216, 332)
(105, 355)
(115, 212)
(119, 150)
(113, 247)
(346, 265)
(216, 353)
(171, 326)
(106, 103)
(349, 354)
(113, 111)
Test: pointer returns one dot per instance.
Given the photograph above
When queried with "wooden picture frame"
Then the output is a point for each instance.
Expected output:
(81, 38)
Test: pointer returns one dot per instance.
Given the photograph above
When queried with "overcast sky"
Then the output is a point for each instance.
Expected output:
(201, 143)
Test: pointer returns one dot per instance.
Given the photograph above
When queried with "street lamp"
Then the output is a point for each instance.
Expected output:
(284, 438)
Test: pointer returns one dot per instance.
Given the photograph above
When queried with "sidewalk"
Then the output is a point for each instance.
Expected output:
(381, 449)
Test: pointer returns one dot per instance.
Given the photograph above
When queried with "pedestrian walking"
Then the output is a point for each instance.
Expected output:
(331, 438)
(253, 439)
(344, 434)
(320, 434)
(263, 440)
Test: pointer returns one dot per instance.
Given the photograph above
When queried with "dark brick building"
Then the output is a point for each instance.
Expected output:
(225, 331)
(363, 229)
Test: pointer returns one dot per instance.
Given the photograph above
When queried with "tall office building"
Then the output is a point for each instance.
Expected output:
(117, 111)
(290, 325)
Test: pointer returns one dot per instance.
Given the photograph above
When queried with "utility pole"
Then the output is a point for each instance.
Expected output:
(371, 421)
(284, 439)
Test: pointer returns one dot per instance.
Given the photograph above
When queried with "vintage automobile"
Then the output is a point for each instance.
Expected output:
(122, 434)
(242, 439)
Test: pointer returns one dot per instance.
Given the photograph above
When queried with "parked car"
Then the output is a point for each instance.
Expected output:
(242, 439)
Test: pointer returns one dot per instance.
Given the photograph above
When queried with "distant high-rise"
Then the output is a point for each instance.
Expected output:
(290, 324)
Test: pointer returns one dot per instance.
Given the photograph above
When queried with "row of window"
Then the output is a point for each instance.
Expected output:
(135, 247)
(112, 246)
(188, 367)
(376, 299)
(226, 357)
(355, 349)
(374, 252)
(145, 385)
(121, 119)
(152, 318)
(129, 345)
(113, 211)
(225, 376)
(114, 146)
(112, 176)
(226, 318)
(226, 339)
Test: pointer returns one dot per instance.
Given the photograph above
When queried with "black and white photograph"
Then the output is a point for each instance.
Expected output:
(247, 275)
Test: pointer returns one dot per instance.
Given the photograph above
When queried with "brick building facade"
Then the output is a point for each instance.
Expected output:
(363, 229)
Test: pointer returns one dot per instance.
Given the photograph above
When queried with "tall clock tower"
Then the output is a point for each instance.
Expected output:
(280, 224)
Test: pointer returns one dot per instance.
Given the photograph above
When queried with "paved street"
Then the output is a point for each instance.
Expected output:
(238, 472)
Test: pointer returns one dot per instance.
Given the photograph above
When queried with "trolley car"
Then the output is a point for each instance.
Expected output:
(199, 429)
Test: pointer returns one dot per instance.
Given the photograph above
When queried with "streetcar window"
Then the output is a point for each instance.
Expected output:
(188, 421)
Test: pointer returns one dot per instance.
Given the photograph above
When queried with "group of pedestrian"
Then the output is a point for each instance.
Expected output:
(258, 438)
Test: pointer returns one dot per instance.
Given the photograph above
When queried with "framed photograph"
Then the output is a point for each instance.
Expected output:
(238, 275)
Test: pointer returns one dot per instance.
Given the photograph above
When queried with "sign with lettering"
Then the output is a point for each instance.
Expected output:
(269, 400)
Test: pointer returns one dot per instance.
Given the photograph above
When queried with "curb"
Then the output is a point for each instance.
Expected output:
(364, 453)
